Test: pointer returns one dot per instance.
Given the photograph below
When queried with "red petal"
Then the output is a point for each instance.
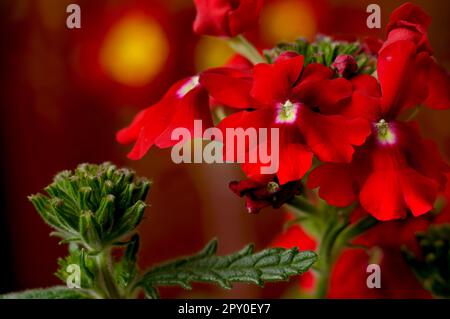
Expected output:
(230, 87)
(411, 13)
(381, 195)
(273, 82)
(193, 106)
(245, 16)
(295, 161)
(366, 84)
(327, 95)
(245, 120)
(212, 17)
(154, 122)
(335, 182)
(331, 137)
(438, 88)
(401, 73)
(294, 236)
(419, 192)
(315, 72)
(365, 101)
(414, 146)
(362, 106)
(131, 133)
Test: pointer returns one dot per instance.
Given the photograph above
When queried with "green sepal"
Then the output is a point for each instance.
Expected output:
(90, 231)
(128, 222)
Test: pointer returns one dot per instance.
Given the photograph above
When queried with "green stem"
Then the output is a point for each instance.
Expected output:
(336, 236)
(332, 227)
(301, 206)
(106, 280)
(327, 249)
(323, 281)
(242, 46)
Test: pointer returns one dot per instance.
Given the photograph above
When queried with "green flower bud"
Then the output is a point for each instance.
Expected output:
(95, 204)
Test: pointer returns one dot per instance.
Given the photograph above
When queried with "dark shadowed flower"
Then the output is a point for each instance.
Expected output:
(260, 195)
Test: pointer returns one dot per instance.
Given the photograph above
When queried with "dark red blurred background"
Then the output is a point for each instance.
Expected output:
(64, 93)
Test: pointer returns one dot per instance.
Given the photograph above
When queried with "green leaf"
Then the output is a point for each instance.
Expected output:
(273, 264)
(57, 292)
(86, 263)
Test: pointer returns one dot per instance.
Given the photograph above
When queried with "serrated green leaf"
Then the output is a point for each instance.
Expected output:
(273, 264)
(57, 292)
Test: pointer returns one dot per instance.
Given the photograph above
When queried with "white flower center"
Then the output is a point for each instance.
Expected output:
(190, 84)
(385, 132)
(287, 112)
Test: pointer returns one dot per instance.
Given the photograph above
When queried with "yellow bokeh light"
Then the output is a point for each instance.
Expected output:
(286, 21)
(134, 50)
(211, 52)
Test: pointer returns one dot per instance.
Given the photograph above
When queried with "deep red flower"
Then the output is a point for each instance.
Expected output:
(409, 22)
(286, 96)
(185, 102)
(396, 170)
(227, 18)
(260, 195)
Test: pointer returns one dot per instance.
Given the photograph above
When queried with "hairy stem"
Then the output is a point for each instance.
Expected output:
(106, 280)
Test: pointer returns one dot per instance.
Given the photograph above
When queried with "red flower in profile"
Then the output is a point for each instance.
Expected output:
(287, 96)
(396, 170)
(410, 22)
(185, 102)
(227, 18)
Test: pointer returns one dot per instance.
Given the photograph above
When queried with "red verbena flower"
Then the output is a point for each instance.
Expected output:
(185, 102)
(396, 170)
(290, 97)
(410, 22)
(226, 18)
(260, 195)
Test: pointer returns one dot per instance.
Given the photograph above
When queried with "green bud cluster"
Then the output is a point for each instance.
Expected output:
(96, 205)
(324, 51)
(432, 267)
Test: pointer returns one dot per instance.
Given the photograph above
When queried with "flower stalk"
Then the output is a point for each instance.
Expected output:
(243, 47)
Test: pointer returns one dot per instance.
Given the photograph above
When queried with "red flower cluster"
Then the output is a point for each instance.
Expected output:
(396, 170)
(330, 111)
(287, 96)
